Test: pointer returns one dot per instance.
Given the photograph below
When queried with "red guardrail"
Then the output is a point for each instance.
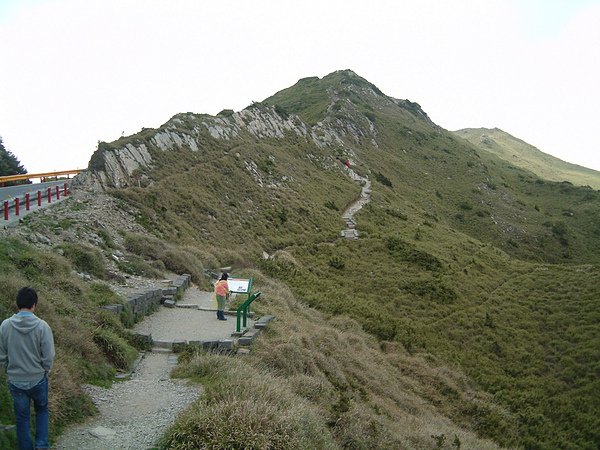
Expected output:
(16, 204)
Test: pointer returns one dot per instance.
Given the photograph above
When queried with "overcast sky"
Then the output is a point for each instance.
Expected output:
(75, 72)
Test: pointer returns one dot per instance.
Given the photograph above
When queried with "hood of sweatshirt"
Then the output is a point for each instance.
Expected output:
(24, 323)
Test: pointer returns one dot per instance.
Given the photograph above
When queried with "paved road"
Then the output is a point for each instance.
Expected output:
(12, 192)
(22, 189)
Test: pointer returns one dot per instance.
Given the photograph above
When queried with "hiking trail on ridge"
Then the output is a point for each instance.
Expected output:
(365, 197)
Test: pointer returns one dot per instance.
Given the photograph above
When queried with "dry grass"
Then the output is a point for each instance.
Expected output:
(244, 407)
(326, 372)
(178, 259)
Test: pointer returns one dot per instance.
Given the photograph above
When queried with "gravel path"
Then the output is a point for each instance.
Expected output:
(134, 414)
(190, 323)
(348, 215)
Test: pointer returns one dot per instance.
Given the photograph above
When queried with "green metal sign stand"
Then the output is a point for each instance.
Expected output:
(242, 311)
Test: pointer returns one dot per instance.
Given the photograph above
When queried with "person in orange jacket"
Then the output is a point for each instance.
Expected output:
(222, 293)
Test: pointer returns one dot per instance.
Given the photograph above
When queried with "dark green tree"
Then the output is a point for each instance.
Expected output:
(9, 164)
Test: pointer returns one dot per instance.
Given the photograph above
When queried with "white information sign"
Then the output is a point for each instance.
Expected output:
(239, 285)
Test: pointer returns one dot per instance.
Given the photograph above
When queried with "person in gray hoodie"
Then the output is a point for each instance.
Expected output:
(27, 353)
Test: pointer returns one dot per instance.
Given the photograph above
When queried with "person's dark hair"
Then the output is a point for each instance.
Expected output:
(26, 298)
(224, 276)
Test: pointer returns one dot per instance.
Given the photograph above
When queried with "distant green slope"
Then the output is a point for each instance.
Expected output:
(524, 155)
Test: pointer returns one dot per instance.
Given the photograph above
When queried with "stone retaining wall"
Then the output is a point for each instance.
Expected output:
(140, 304)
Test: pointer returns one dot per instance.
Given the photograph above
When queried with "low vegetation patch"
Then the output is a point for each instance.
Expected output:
(244, 408)
(88, 341)
(174, 258)
(85, 259)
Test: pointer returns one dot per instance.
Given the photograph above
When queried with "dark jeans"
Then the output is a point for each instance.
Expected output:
(21, 401)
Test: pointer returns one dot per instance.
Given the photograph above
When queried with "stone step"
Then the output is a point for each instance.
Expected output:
(263, 321)
(248, 337)
(350, 234)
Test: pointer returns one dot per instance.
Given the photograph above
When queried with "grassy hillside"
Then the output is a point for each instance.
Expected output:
(90, 344)
(526, 156)
(318, 381)
(245, 194)
(420, 278)
(313, 380)
(464, 258)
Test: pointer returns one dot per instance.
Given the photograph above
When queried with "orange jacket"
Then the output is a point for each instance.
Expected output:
(222, 288)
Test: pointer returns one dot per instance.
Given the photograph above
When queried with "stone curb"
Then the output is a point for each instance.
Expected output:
(248, 335)
(244, 339)
(176, 346)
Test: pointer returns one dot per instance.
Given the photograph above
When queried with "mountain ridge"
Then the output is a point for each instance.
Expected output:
(522, 154)
(462, 254)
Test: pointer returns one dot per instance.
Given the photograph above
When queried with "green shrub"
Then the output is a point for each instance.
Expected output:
(407, 252)
(336, 262)
(144, 245)
(101, 294)
(32, 264)
(281, 111)
(279, 267)
(65, 224)
(226, 112)
(331, 205)
(381, 178)
(384, 328)
(8, 439)
(433, 290)
(137, 266)
(371, 116)
(85, 259)
(176, 259)
(180, 261)
(108, 241)
(396, 213)
(116, 349)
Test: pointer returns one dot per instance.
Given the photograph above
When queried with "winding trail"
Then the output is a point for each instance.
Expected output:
(135, 413)
(365, 197)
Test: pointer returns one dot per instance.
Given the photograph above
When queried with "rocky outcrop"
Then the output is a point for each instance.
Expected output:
(168, 139)
(115, 168)
(120, 166)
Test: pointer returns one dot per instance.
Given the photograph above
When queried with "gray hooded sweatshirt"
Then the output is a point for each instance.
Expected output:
(26, 347)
